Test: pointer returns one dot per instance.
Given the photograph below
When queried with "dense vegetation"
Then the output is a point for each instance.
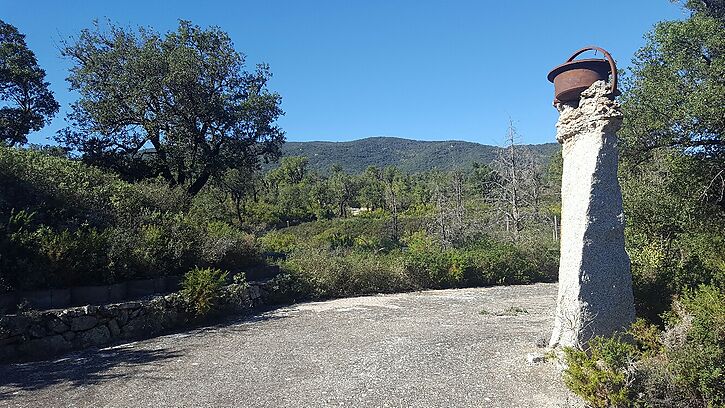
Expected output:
(410, 156)
(63, 223)
(67, 223)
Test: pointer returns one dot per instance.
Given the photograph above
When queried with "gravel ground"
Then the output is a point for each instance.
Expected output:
(446, 348)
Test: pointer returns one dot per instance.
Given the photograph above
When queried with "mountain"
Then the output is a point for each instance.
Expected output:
(408, 155)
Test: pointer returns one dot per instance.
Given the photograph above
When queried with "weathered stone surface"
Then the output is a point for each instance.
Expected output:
(419, 349)
(114, 328)
(40, 335)
(254, 292)
(129, 305)
(81, 323)
(109, 311)
(90, 309)
(14, 325)
(123, 317)
(595, 282)
(96, 336)
(36, 331)
(45, 346)
(57, 326)
(68, 314)
(133, 327)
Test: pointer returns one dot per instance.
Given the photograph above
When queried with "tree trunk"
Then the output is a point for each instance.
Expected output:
(199, 183)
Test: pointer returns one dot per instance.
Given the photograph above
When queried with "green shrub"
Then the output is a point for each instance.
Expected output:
(201, 289)
(279, 241)
(483, 263)
(167, 246)
(35, 257)
(684, 366)
(695, 343)
(227, 247)
(328, 274)
(290, 287)
(429, 264)
(602, 374)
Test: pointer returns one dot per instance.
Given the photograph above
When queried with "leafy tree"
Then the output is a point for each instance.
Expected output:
(291, 170)
(673, 157)
(372, 188)
(185, 93)
(343, 189)
(676, 91)
(26, 103)
(240, 184)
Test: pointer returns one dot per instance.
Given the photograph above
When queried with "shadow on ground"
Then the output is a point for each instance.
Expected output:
(95, 366)
(87, 367)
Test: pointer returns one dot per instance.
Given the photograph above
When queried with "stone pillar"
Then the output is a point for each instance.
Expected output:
(595, 281)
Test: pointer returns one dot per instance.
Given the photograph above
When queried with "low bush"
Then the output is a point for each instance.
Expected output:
(63, 223)
(483, 263)
(326, 274)
(695, 343)
(201, 289)
(602, 374)
(227, 247)
(684, 366)
(422, 263)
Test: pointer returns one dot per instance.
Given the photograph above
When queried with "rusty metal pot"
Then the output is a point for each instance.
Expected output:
(573, 77)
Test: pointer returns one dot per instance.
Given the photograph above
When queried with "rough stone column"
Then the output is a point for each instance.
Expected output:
(595, 281)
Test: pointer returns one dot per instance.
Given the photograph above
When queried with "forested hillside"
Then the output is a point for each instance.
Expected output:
(407, 155)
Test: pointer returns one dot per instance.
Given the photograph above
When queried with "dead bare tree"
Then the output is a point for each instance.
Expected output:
(449, 222)
(517, 189)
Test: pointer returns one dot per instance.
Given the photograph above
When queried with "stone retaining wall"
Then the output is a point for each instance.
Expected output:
(41, 334)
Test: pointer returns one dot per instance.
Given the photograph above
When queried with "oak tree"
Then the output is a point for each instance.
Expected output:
(179, 105)
(26, 103)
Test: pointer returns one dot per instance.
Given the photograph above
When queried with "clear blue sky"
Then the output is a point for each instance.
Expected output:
(348, 69)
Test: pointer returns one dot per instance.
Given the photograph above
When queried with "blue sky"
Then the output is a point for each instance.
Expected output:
(429, 70)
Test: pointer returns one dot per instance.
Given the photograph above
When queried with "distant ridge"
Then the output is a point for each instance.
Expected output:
(406, 154)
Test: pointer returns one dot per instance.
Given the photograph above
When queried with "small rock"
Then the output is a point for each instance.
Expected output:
(535, 358)
(109, 311)
(36, 331)
(114, 328)
(96, 336)
(81, 323)
(254, 292)
(129, 305)
(57, 326)
(123, 317)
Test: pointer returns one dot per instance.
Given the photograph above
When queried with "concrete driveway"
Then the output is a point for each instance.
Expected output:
(447, 348)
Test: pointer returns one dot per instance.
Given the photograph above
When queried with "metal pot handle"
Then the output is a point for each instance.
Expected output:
(612, 65)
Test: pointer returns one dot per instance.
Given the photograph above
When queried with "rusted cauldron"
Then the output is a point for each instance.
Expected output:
(573, 77)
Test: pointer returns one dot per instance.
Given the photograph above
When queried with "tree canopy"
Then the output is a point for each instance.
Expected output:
(179, 105)
(676, 90)
(26, 103)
